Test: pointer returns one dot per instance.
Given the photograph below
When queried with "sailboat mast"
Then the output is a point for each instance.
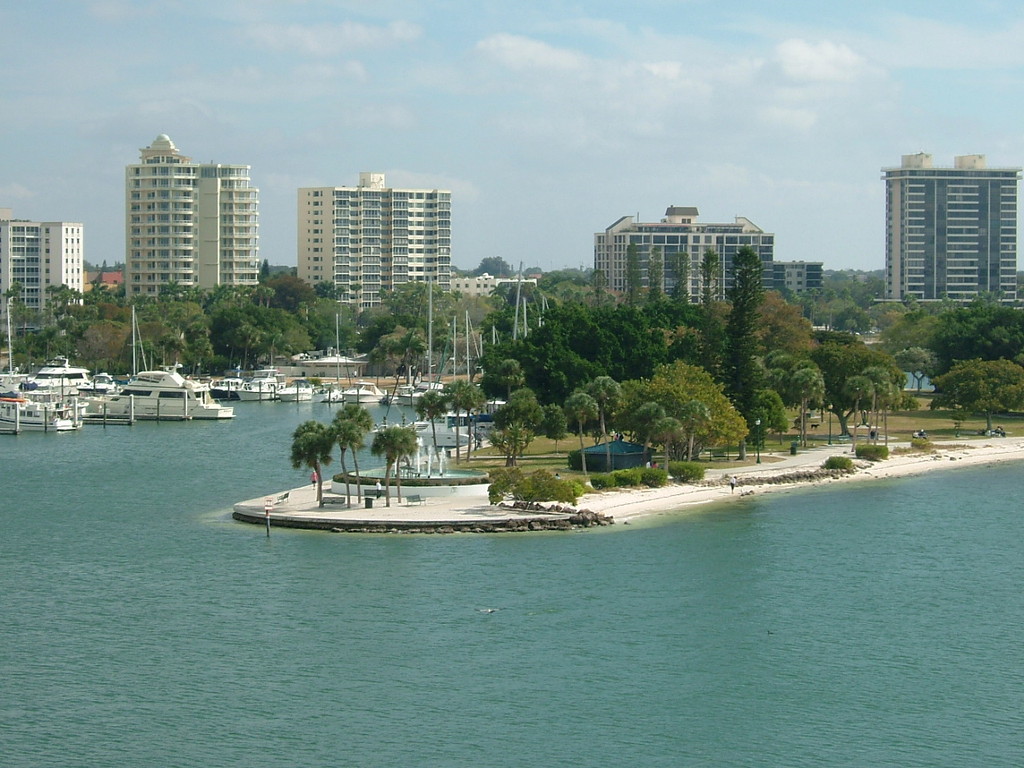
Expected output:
(10, 339)
(337, 346)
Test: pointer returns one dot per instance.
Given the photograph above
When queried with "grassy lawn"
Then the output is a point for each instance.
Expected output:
(545, 454)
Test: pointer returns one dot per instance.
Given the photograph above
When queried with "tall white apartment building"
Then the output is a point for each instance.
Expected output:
(371, 237)
(680, 234)
(38, 254)
(194, 224)
(950, 232)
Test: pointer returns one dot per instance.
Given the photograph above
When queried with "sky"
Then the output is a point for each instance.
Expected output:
(548, 120)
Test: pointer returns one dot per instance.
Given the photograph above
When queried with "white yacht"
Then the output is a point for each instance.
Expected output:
(262, 386)
(299, 391)
(22, 414)
(161, 395)
(58, 376)
(328, 393)
(363, 392)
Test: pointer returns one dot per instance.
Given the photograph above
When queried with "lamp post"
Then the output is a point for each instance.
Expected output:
(757, 444)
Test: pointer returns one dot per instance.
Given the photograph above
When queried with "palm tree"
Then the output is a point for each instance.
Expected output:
(394, 444)
(858, 387)
(312, 443)
(808, 384)
(430, 406)
(669, 431)
(468, 397)
(693, 416)
(581, 408)
(606, 393)
(350, 426)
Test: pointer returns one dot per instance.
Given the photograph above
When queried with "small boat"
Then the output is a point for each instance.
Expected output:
(226, 388)
(299, 391)
(160, 395)
(101, 384)
(363, 392)
(262, 386)
(22, 414)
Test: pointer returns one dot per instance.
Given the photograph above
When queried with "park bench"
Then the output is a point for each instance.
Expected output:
(414, 499)
(334, 499)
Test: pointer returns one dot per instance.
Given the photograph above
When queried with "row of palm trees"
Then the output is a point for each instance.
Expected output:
(313, 444)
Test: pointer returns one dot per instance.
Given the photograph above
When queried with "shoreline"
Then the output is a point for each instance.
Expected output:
(630, 505)
(297, 508)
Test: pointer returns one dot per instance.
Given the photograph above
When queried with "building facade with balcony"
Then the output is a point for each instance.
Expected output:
(372, 237)
(951, 233)
(679, 235)
(193, 224)
(37, 255)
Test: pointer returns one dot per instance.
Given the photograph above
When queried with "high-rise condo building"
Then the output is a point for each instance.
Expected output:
(371, 237)
(38, 254)
(677, 235)
(950, 232)
(193, 224)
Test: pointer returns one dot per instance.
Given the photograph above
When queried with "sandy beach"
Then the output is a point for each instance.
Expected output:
(626, 506)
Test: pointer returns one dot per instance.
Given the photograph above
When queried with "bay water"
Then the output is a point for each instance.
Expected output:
(869, 624)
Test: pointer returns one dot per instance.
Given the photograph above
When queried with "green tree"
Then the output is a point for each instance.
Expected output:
(693, 419)
(554, 426)
(350, 425)
(670, 433)
(394, 444)
(859, 388)
(679, 265)
(743, 374)
(809, 386)
(431, 406)
(633, 275)
(655, 275)
(466, 397)
(312, 443)
(839, 357)
(918, 362)
(981, 386)
(516, 424)
(579, 409)
(606, 393)
(713, 340)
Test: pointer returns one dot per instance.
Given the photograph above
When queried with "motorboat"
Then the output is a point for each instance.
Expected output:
(59, 377)
(328, 393)
(160, 395)
(23, 414)
(299, 391)
(101, 384)
(263, 385)
(226, 388)
(364, 392)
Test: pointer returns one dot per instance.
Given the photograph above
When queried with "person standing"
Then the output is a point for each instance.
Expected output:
(313, 477)
(732, 484)
(379, 488)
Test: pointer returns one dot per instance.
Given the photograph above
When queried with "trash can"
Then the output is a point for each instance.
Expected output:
(792, 448)
(368, 501)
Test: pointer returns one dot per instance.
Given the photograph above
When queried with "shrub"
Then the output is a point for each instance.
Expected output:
(838, 462)
(628, 477)
(654, 478)
(537, 486)
(687, 471)
(872, 452)
(575, 463)
(601, 481)
(921, 444)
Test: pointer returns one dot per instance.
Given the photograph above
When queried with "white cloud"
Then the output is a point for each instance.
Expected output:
(15, 191)
(824, 61)
(522, 53)
(331, 39)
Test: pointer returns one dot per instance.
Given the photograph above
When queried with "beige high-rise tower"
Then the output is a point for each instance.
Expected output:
(193, 224)
(370, 237)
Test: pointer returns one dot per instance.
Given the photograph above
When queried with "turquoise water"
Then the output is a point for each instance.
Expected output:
(874, 624)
